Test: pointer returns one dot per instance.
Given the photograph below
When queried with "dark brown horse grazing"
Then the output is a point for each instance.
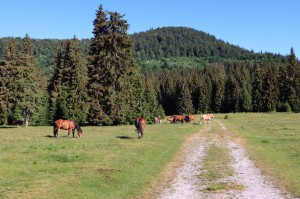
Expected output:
(140, 123)
(67, 125)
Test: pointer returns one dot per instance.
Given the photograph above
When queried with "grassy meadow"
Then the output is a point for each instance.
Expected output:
(110, 162)
(273, 141)
(107, 162)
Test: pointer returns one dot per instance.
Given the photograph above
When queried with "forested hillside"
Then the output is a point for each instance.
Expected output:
(170, 47)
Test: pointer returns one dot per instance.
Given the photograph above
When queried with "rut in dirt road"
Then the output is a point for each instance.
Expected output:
(188, 178)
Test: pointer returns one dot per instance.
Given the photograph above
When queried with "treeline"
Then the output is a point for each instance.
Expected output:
(230, 87)
(171, 47)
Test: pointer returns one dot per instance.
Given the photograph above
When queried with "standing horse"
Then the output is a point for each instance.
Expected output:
(140, 123)
(67, 125)
(179, 118)
(211, 115)
(204, 118)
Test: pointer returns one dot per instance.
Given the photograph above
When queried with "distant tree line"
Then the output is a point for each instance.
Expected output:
(229, 87)
(114, 77)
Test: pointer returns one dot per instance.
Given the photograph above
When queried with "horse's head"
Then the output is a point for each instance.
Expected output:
(79, 130)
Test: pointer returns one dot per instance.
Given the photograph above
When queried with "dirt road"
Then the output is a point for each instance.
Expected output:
(185, 179)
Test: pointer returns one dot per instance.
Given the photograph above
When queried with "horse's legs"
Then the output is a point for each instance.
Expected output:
(55, 132)
(73, 132)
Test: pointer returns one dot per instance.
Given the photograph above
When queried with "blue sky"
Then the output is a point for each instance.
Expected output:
(259, 25)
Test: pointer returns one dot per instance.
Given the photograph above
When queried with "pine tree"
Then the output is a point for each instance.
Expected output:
(205, 88)
(184, 103)
(293, 82)
(54, 87)
(9, 76)
(112, 70)
(217, 76)
(231, 101)
(68, 84)
(270, 93)
(32, 84)
(257, 89)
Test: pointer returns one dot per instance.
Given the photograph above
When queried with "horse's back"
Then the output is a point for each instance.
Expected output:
(140, 123)
(65, 124)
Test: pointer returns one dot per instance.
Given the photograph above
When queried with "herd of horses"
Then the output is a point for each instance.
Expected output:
(188, 118)
(139, 123)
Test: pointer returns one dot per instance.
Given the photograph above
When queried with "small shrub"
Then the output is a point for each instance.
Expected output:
(226, 117)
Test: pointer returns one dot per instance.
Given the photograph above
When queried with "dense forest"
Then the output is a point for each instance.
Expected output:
(113, 77)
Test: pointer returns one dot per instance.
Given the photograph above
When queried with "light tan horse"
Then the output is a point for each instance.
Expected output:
(210, 115)
(204, 118)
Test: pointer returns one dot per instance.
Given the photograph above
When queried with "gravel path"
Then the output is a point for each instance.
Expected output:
(186, 184)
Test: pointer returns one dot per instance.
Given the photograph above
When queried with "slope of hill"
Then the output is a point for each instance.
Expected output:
(161, 48)
(169, 45)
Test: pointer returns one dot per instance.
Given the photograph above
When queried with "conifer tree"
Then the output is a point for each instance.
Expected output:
(245, 88)
(257, 89)
(293, 82)
(217, 76)
(112, 70)
(184, 103)
(270, 89)
(205, 88)
(231, 92)
(54, 87)
(9, 76)
(68, 87)
(32, 85)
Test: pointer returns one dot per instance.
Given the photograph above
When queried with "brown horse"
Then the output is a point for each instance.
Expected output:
(67, 125)
(140, 123)
(178, 118)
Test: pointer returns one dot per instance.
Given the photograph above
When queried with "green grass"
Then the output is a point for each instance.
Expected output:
(273, 140)
(107, 162)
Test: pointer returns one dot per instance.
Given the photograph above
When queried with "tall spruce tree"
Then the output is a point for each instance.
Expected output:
(231, 101)
(112, 70)
(32, 84)
(270, 92)
(68, 95)
(184, 103)
(293, 82)
(257, 89)
(54, 87)
(9, 78)
(217, 76)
